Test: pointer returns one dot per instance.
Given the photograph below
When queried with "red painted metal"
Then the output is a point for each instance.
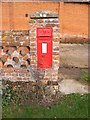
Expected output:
(44, 32)
(44, 57)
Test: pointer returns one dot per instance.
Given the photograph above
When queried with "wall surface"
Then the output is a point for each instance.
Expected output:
(47, 63)
(13, 14)
(73, 17)
(0, 16)
(89, 20)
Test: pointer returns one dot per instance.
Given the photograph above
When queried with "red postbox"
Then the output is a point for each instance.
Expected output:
(44, 47)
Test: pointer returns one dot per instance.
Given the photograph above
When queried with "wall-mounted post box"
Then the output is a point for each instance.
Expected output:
(44, 47)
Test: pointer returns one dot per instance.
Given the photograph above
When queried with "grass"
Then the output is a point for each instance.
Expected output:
(85, 75)
(73, 106)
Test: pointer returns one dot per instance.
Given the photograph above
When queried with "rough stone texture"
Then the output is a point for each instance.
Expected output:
(15, 38)
(15, 56)
(16, 75)
(39, 21)
(43, 14)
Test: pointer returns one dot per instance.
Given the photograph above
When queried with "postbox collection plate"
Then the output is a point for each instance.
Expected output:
(44, 48)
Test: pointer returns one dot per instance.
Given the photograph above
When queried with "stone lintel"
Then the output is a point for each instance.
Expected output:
(43, 15)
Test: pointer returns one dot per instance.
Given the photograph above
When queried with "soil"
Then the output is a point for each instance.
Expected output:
(70, 72)
(74, 55)
(25, 93)
(73, 59)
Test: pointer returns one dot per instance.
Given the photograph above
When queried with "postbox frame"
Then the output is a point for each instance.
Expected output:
(46, 36)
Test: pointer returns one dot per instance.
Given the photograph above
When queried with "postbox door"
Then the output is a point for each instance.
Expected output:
(44, 52)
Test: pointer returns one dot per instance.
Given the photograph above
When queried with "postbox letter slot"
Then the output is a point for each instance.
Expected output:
(44, 47)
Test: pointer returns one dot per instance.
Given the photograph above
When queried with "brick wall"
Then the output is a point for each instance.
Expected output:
(0, 16)
(13, 14)
(15, 56)
(18, 54)
(74, 22)
(89, 20)
(45, 19)
(73, 17)
(15, 74)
